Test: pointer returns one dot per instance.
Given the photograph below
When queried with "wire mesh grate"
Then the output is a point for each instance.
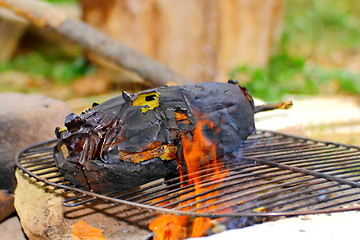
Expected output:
(275, 175)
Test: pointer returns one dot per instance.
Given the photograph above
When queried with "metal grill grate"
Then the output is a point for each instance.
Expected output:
(277, 175)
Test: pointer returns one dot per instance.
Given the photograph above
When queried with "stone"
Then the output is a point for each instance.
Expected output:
(11, 229)
(43, 216)
(25, 120)
(318, 226)
(327, 118)
(6, 204)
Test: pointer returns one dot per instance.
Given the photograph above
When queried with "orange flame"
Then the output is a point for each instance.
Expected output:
(83, 231)
(198, 151)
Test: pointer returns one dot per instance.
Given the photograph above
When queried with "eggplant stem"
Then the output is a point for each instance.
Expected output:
(273, 106)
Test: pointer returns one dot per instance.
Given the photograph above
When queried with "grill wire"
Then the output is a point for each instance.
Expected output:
(277, 175)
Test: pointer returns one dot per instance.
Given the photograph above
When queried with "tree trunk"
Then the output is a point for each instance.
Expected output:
(201, 40)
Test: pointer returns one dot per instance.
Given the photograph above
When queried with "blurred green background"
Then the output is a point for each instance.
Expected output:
(319, 51)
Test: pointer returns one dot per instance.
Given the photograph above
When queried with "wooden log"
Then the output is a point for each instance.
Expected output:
(12, 28)
(44, 15)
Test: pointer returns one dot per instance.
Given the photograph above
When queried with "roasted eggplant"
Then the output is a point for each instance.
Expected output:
(133, 139)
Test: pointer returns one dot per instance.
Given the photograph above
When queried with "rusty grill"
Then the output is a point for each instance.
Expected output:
(275, 175)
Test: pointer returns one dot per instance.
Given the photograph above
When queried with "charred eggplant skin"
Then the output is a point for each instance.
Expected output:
(132, 139)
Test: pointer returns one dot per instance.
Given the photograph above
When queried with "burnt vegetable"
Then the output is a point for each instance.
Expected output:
(133, 139)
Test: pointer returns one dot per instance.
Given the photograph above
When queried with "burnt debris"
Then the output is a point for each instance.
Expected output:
(133, 139)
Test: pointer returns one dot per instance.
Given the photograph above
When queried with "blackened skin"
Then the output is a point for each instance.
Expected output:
(88, 152)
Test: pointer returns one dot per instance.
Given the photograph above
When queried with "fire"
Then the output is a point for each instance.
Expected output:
(198, 153)
(83, 231)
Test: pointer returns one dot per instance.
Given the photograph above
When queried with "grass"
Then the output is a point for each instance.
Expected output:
(286, 74)
(58, 68)
(313, 31)
(321, 26)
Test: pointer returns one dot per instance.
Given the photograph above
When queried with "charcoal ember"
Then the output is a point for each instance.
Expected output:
(135, 138)
(99, 176)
